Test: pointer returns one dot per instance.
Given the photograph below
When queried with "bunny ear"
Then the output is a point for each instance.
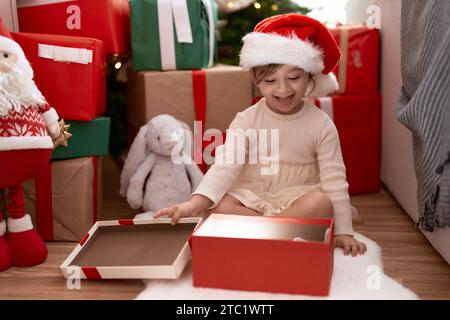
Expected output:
(136, 156)
(188, 138)
(185, 126)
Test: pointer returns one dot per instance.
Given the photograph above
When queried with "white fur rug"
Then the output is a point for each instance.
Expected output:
(356, 278)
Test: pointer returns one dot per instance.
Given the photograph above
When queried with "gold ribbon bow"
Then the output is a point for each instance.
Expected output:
(64, 135)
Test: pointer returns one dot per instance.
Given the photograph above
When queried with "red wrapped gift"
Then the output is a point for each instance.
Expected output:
(357, 71)
(270, 254)
(358, 121)
(69, 71)
(64, 200)
(107, 20)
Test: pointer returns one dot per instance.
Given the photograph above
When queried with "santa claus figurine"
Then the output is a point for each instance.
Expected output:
(28, 129)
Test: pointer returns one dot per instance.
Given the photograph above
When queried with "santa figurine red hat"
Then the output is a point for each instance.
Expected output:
(296, 40)
(28, 129)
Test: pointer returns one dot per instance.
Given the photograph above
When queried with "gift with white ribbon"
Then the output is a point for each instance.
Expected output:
(69, 71)
(65, 54)
(209, 8)
(175, 13)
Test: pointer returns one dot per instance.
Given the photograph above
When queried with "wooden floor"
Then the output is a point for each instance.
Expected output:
(407, 255)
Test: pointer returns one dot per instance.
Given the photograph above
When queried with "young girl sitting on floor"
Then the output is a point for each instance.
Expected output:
(290, 57)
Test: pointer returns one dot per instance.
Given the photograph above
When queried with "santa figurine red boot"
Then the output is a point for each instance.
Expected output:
(28, 129)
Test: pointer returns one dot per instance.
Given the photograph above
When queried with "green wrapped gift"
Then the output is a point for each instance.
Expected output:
(173, 34)
(88, 139)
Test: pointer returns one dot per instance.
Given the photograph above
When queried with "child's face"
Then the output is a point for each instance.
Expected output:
(285, 89)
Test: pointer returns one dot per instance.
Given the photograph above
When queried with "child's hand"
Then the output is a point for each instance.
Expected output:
(190, 208)
(350, 245)
(181, 210)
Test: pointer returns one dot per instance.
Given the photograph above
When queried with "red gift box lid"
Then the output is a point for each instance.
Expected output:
(132, 249)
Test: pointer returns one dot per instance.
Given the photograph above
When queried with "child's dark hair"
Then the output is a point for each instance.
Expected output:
(260, 72)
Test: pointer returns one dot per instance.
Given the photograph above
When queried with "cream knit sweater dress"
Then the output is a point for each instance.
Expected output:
(308, 158)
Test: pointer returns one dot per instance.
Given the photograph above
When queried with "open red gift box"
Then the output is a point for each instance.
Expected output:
(289, 255)
(273, 254)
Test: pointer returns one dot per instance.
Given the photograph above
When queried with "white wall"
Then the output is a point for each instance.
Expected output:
(9, 15)
(397, 171)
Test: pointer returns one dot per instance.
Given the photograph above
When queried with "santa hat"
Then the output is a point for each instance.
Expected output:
(297, 40)
(7, 43)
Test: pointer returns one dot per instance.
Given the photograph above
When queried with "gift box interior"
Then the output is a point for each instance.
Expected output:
(264, 254)
(144, 249)
(223, 226)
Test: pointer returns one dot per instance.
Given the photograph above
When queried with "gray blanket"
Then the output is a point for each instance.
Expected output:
(424, 103)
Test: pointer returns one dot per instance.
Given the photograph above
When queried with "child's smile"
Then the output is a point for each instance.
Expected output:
(285, 100)
(285, 89)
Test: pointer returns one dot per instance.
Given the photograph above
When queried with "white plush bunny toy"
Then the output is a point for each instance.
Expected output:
(150, 178)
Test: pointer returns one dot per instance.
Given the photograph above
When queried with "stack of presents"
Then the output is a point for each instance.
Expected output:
(356, 108)
(68, 44)
(174, 72)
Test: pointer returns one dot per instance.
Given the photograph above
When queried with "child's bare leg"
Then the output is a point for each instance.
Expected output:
(231, 205)
(315, 204)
